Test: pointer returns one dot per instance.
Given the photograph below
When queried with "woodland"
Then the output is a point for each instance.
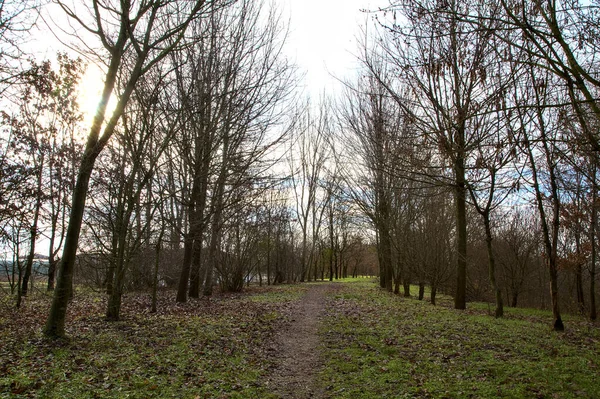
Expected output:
(457, 166)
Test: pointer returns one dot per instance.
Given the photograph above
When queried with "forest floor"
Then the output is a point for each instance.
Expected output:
(325, 340)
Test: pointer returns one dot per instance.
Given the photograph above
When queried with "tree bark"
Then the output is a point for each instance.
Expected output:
(55, 324)
(406, 286)
(155, 274)
(593, 255)
(492, 265)
(513, 302)
(33, 231)
(460, 299)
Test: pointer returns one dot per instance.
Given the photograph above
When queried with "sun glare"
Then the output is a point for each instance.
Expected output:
(90, 90)
(89, 93)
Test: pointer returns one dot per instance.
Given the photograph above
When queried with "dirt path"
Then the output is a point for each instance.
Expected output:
(297, 348)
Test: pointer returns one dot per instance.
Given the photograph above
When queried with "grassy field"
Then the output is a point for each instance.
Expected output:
(201, 349)
(382, 346)
(374, 345)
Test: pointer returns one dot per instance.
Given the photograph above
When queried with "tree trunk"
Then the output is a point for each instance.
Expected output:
(155, 276)
(51, 271)
(380, 260)
(594, 221)
(304, 251)
(212, 255)
(406, 286)
(397, 285)
(433, 293)
(184, 277)
(113, 310)
(336, 266)
(118, 228)
(268, 247)
(110, 272)
(217, 212)
(515, 296)
(33, 231)
(331, 265)
(579, 288)
(492, 265)
(550, 237)
(55, 324)
(195, 276)
(421, 291)
(460, 299)
(189, 243)
(385, 248)
(19, 281)
(579, 274)
(558, 323)
(30, 257)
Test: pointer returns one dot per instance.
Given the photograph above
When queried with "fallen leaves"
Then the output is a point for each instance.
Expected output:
(203, 348)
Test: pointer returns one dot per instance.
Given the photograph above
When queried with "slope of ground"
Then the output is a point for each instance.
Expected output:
(319, 340)
(382, 346)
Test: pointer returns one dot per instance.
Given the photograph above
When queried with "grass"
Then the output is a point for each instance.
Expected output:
(380, 345)
(374, 345)
(201, 349)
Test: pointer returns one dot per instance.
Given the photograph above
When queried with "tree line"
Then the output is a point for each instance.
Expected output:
(492, 106)
(461, 157)
(188, 173)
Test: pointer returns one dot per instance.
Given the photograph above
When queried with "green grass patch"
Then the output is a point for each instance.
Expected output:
(373, 344)
(202, 349)
(277, 293)
(385, 346)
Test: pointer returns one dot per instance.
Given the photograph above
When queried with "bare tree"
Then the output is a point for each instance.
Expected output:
(306, 175)
(146, 32)
(562, 38)
(371, 122)
(146, 134)
(17, 18)
(493, 180)
(232, 90)
(444, 64)
(41, 130)
(539, 135)
(517, 245)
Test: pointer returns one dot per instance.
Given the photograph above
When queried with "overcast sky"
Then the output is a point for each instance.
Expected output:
(323, 38)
